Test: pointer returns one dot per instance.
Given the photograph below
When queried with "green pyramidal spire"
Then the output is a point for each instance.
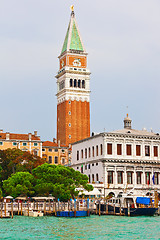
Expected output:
(73, 40)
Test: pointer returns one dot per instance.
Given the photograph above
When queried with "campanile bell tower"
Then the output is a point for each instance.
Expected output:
(73, 88)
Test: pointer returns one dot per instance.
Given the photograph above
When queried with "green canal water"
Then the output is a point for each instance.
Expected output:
(94, 227)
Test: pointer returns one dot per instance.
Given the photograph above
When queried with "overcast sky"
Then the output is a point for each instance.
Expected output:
(122, 38)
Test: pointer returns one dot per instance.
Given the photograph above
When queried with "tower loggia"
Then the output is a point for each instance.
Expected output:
(73, 88)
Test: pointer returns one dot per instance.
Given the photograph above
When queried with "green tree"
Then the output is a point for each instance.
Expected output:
(60, 181)
(20, 183)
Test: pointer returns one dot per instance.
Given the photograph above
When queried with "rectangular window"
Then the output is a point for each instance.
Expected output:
(129, 178)
(50, 150)
(97, 150)
(85, 152)
(89, 166)
(56, 150)
(55, 159)
(139, 174)
(93, 151)
(63, 161)
(43, 149)
(50, 159)
(97, 178)
(120, 177)
(155, 149)
(89, 150)
(77, 155)
(97, 164)
(93, 164)
(35, 144)
(119, 149)
(147, 176)
(1, 143)
(24, 144)
(92, 178)
(147, 151)
(109, 148)
(138, 150)
(101, 147)
(82, 168)
(85, 167)
(128, 149)
(156, 182)
(14, 144)
(110, 177)
(82, 153)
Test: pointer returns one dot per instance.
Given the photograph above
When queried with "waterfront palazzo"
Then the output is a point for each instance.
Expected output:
(120, 161)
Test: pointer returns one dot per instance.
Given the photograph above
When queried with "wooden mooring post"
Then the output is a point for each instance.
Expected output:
(12, 209)
(18, 207)
(55, 208)
(1, 208)
(28, 208)
(128, 209)
(114, 209)
(106, 207)
(99, 213)
(21, 209)
(88, 207)
(44, 208)
(75, 207)
(5, 209)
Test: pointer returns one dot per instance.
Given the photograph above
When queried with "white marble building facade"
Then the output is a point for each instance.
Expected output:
(121, 160)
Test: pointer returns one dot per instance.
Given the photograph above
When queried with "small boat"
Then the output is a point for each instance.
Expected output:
(72, 214)
(130, 205)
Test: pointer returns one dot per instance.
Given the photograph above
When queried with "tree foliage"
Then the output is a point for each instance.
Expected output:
(15, 160)
(60, 181)
(20, 183)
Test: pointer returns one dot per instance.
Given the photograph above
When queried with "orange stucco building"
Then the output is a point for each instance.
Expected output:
(26, 142)
(54, 153)
(73, 88)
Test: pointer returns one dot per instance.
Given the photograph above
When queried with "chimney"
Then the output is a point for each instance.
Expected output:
(35, 133)
(59, 143)
(7, 135)
(54, 140)
(1, 130)
(30, 136)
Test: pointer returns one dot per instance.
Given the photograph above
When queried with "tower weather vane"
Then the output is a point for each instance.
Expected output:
(72, 8)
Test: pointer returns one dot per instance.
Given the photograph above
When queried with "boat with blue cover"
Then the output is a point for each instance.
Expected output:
(129, 205)
(73, 214)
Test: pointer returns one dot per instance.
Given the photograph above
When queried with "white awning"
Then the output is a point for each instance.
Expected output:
(94, 192)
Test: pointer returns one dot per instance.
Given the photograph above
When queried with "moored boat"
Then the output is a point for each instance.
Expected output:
(129, 206)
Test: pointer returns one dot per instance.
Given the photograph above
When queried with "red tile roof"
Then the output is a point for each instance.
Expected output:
(16, 136)
(51, 144)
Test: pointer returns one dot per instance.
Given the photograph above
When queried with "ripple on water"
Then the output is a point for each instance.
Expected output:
(94, 227)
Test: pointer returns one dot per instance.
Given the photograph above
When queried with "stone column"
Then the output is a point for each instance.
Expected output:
(125, 177)
(134, 177)
(115, 177)
(143, 177)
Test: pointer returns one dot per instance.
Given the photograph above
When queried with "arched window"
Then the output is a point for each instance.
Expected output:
(75, 83)
(83, 84)
(79, 83)
(71, 83)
